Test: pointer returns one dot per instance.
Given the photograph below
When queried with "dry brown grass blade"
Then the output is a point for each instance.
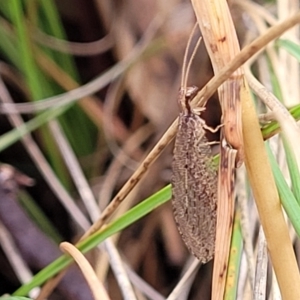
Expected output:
(225, 215)
(221, 42)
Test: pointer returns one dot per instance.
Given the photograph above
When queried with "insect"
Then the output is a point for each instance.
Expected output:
(194, 179)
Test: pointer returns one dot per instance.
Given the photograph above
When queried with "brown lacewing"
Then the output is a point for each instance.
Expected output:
(194, 180)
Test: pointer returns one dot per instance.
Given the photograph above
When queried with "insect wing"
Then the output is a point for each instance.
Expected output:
(194, 187)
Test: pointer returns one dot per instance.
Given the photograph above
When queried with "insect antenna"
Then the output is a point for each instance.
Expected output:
(187, 64)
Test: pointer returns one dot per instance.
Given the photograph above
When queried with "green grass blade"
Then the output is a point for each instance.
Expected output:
(37, 215)
(293, 168)
(52, 24)
(14, 135)
(236, 250)
(8, 46)
(291, 47)
(79, 129)
(276, 89)
(28, 65)
(14, 298)
(17, 45)
(273, 127)
(287, 198)
(38, 83)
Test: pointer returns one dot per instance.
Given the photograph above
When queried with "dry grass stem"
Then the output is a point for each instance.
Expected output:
(18, 264)
(96, 287)
(75, 171)
(78, 49)
(247, 218)
(181, 287)
(224, 219)
(261, 267)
